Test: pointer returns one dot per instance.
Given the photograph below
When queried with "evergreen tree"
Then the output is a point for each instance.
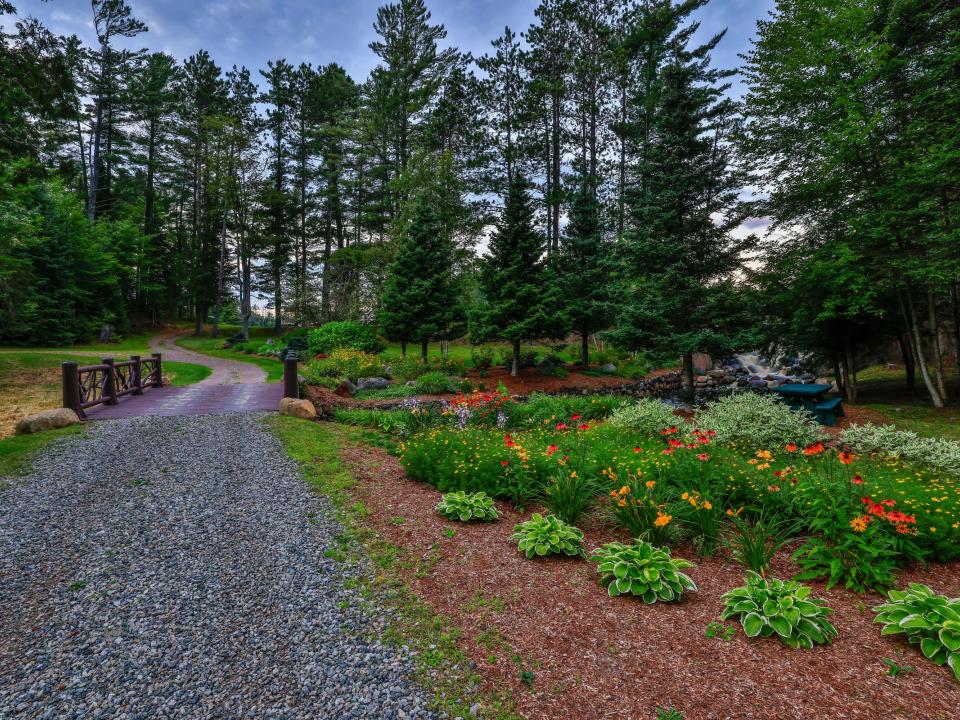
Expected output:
(584, 267)
(420, 300)
(678, 256)
(520, 303)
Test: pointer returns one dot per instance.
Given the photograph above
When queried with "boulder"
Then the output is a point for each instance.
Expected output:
(607, 368)
(302, 409)
(345, 388)
(716, 373)
(46, 420)
(372, 383)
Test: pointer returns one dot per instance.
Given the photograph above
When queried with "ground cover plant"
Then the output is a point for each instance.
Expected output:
(758, 420)
(547, 535)
(468, 506)
(642, 570)
(938, 453)
(929, 620)
(768, 606)
(345, 335)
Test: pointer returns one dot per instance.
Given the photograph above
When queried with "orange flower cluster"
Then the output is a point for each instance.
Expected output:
(880, 510)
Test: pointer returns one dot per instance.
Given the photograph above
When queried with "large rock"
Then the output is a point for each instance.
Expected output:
(372, 383)
(345, 388)
(302, 409)
(47, 420)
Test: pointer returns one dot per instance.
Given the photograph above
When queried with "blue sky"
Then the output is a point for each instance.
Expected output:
(250, 32)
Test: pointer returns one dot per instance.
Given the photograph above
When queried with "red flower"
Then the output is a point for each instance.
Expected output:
(637, 449)
(791, 447)
(888, 502)
(712, 433)
(703, 456)
(669, 431)
(845, 457)
(704, 440)
(814, 449)
(857, 480)
(551, 449)
(504, 462)
(561, 426)
(583, 426)
(672, 442)
(575, 417)
(668, 451)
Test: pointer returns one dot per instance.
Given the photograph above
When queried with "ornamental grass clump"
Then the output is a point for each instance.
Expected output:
(929, 620)
(783, 607)
(643, 570)
(465, 506)
(548, 535)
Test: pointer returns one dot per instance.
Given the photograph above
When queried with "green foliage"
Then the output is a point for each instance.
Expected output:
(642, 570)
(719, 630)
(929, 620)
(937, 453)
(482, 357)
(344, 363)
(756, 420)
(753, 540)
(860, 562)
(570, 494)
(433, 383)
(521, 302)
(468, 506)
(547, 535)
(648, 416)
(408, 367)
(344, 335)
(542, 410)
(769, 606)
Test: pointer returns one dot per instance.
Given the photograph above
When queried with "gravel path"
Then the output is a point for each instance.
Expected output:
(173, 568)
(225, 372)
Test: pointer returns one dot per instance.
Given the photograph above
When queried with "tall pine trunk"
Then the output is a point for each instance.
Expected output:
(916, 342)
(584, 348)
(515, 362)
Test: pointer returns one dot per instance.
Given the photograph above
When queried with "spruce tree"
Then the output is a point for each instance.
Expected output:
(521, 304)
(584, 268)
(420, 302)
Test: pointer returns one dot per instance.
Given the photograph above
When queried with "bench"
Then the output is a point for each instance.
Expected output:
(828, 411)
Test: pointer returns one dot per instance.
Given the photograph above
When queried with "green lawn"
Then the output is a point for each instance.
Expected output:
(214, 347)
(883, 390)
(923, 420)
(16, 452)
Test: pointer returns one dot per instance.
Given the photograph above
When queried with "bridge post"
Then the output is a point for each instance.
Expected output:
(158, 382)
(110, 382)
(291, 388)
(137, 372)
(71, 387)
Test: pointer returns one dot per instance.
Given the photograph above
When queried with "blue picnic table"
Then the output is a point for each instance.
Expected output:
(810, 397)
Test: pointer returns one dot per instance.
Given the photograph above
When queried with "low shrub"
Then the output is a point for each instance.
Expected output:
(753, 541)
(938, 453)
(758, 421)
(344, 334)
(345, 363)
(433, 383)
(643, 508)
(642, 570)
(408, 367)
(482, 358)
(542, 410)
(570, 494)
(769, 606)
(468, 506)
(929, 620)
(547, 535)
(648, 416)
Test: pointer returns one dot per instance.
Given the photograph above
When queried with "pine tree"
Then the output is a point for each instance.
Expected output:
(520, 302)
(585, 268)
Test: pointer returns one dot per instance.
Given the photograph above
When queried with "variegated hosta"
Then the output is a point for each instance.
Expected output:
(643, 570)
(547, 535)
(466, 506)
(783, 607)
(929, 620)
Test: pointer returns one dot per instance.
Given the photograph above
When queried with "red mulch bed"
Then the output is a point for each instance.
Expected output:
(597, 657)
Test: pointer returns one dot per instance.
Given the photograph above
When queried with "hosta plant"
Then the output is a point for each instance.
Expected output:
(643, 570)
(547, 535)
(929, 620)
(466, 506)
(783, 607)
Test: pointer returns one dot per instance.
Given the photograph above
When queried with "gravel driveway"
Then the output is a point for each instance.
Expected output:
(173, 568)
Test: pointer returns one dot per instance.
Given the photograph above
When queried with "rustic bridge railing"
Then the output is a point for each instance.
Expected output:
(85, 386)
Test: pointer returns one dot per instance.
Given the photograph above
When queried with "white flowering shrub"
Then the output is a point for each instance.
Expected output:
(937, 453)
(758, 420)
(648, 416)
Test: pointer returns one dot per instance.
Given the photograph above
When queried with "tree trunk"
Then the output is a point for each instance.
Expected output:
(218, 306)
(584, 348)
(849, 375)
(935, 344)
(909, 364)
(403, 348)
(955, 303)
(838, 375)
(916, 341)
(97, 132)
(423, 350)
(515, 363)
(687, 368)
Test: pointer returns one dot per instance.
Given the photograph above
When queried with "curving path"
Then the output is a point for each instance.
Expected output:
(177, 568)
(232, 386)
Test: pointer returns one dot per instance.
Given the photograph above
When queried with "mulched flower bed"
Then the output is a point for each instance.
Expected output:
(592, 656)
